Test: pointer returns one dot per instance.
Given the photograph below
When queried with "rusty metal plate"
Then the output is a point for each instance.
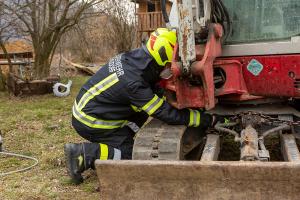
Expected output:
(186, 35)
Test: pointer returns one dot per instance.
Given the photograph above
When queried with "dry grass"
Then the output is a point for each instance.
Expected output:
(39, 126)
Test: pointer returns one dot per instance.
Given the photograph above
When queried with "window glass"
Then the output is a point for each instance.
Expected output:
(151, 7)
(263, 20)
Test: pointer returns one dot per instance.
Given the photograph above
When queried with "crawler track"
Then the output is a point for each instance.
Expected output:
(158, 141)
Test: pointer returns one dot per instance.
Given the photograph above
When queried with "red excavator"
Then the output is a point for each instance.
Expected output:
(235, 58)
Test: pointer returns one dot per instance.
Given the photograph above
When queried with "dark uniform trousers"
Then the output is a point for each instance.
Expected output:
(120, 138)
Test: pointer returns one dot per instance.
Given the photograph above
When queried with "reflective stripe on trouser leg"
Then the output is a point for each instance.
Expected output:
(103, 152)
(117, 154)
(108, 152)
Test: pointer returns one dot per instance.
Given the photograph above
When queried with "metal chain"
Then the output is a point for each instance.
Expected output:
(276, 120)
(267, 118)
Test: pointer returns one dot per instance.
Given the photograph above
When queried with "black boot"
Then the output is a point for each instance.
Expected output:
(74, 154)
(80, 157)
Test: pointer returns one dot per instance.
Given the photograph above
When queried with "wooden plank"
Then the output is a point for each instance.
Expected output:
(17, 62)
(155, 24)
(12, 55)
(212, 148)
(159, 20)
(140, 22)
(142, 7)
(149, 21)
(89, 70)
(145, 22)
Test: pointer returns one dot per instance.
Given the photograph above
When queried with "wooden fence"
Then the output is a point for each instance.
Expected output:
(149, 21)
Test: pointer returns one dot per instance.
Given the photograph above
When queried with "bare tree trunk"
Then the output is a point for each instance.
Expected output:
(10, 66)
(6, 55)
(41, 66)
(2, 81)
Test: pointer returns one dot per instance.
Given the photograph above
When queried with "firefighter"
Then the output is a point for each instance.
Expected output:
(114, 103)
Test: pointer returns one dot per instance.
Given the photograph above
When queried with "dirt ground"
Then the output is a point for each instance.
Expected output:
(39, 126)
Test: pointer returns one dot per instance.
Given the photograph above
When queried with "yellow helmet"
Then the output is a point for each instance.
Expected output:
(161, 45)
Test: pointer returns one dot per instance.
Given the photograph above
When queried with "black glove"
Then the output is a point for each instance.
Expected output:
(218, 118)
(210, 120)
(159, 91)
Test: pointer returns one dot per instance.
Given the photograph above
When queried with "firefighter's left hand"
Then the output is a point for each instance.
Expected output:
(218, 118)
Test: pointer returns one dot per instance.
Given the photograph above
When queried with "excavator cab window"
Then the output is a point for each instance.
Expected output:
(263, 20)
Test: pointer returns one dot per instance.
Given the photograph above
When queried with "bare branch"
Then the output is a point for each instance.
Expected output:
(46, 21)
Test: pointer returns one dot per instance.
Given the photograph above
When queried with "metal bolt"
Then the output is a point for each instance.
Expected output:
(185, 70)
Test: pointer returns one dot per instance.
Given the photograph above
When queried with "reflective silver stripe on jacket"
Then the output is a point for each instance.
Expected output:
(98, 89)
(90, 94)
(97, 123)
(153, 105)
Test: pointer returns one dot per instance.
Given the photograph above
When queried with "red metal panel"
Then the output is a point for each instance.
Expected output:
(188, 95)
(235, 83)
(278, 78)
(204, 68)
(247, 78)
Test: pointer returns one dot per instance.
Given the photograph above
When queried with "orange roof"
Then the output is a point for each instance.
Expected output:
(18, 46)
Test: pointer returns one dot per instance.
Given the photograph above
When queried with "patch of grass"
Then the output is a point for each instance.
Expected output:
(39, 126)
(65, 181)
(230, 150)
(90, 187)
